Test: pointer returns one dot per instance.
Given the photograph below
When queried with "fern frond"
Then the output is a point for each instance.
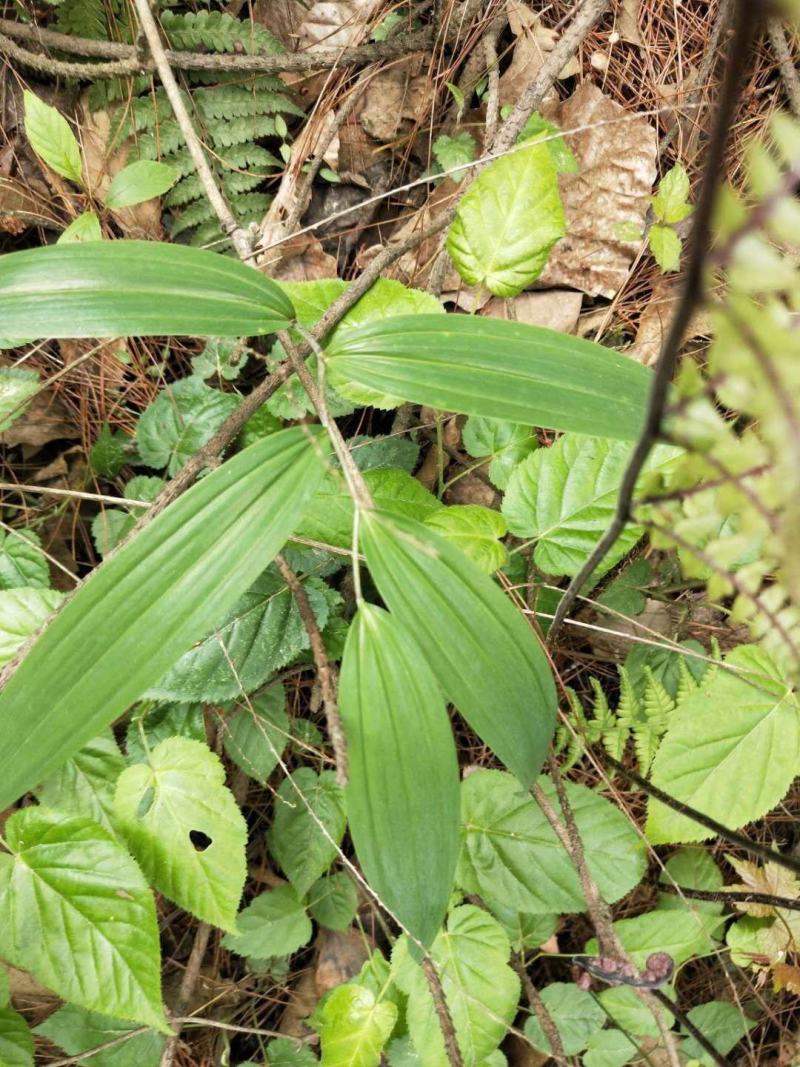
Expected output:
(612, 733)
(238, 101)
(246, 156)
(235, 77)
(197, 212)
(656, 707)
(628, 707)
(226, 133)
(83, 18)
(687, 684)
(217, 31)
(236, 182)
(160, 143)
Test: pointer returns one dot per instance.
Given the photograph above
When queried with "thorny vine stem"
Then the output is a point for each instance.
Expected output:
(746, 20)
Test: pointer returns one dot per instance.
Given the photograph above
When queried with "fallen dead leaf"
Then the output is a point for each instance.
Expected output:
(534, 42)
(282, 18)
(771, 879)
(521, 1053)
(20, 207)
(472, 490)
(655, 322)
(556, 309)
(303, 997)
(616, 172)
(414, 267)
(302, 259)
(342, 954)
(395, 96)
(675, 96)
(628, 22)
(45, 419)
(657, 618)
(336, 23)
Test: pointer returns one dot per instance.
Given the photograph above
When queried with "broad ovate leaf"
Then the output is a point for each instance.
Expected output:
(510, 852)
(77, 913)
(333, 900)
(354, 1025)
(481, 989)
(497, 369)
(51, 138)
(402, 792)
(22, 612)
(138, 182)
(680, 934)
(565, 496)
(76, 1030)
(476, 531)
(184, 827)
(575, 1013)
(308, 826)
(505, 443)
(273, 924)
(118, 288)
(256, 733)
(140, 610)
(484, 655)
(731, 749)
(85, 783)
(22, 560)
(179, 421)
(507, 222)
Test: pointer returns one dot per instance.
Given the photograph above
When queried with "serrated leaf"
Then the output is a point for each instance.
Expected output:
(137, 613)
(524, 929)
(273, 924)
(184, 827)
(77, 913)
(575, 1014)
(731, 749)
(565, 496)
(376, 453)
(329, 515)
(722, 1023)
(681, 934)
(511, 854)
(139, 181)
(305, 803)
(666, 248)
(284, 1052)
(671, 202)
(692, 868)
(609, 1048)
(16, 1041)
(402, 792)
(86, 227)
(51, 138)
(179, 421)
(18, 386)
(476, 531)
(624, 1007)
(146, 730)
(76, 1030)
(226, 358)
(485, 657)
(85, 784)
(454, 150)
(480, 988)
(261, 633)
(497, 369)
(506, 442)
(333, 900)
(85, 290)
(257, 733)
(22, 612)
(507, 222)
(22, 561)
(354, 1025)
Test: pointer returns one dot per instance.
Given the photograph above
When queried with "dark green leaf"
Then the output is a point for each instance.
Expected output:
(16, 1042)
(274, 924)
(257, 733)
(575, 1013)
(307, 802)
(76, 1030)
(333, 900)
(180, 421)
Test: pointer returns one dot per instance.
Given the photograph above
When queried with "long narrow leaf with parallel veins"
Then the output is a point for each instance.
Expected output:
(402, 794)
(497, 369)
(119, 288)
(150, 602)
(485, 657)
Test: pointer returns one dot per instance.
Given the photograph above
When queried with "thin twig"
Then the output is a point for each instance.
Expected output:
(442, 1013)
(780, 46)
(691, 296)
(732, 896)
(539, 1009)
(188, 983)
(62, 68)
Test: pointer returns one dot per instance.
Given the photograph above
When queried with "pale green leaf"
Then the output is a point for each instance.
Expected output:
(564, 497)
(138, 182)
(722, 1023)
(526, 930)
(625, 1007)
(508, 221)
(692, 868)
(731, 749)
(682, 934)
(354, 1025)
(476, 531)
(137, 613)
(274, 924)
(506, 442)
(666, 248)
(480, 988)
(609, 1048)
(184, 827)
(86, 227)
(151, 725)
(22, 612)
(51, 138)
(76, 1030)
(305, 804)
(109, 528)
(497, 369)
(402, 792)
(575, 1013)
(333, 900)
(76, 912)
(226, 358)
(284, 1052)
(85, 784)
(257, 732)
(484, 655)
(22, 561)
(179, 421)
(671, 202)
(510, 852)
(16, 1041)
(5, 988)
(18, 386)
(261, 633)
(454, 150)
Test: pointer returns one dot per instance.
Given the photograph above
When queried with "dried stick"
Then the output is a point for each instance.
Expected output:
(240, 237)
(539, 1008)
(59, 67)
(442, 1013)
(189, 981)
(725, 896)
(780, 46)
(690, 299)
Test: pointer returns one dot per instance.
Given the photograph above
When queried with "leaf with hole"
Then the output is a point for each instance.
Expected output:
(497, 369)
(119, 288)
(307, 827)
(273, 924)
(185, 829)
(51, 138)
(485, 657)
(138, 612)
(402, 791)
(76, 912)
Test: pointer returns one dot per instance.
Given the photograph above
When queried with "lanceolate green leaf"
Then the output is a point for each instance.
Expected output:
(498, 369)
(141, 610)
(113, 288)
(402, 793)
(76, 912)
(484, 655)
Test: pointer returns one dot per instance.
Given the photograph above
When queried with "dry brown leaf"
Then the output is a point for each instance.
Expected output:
(282, 18)
(521, 1053)
(472, 490)
(771, 879)
(302, 259)
(676, 96)
(617, 169)
(786, 977)
(342, 954)
(616, 638)
(414, 267)
(45, 419)
(534, 42)
(556, 309)
(656, 319)
(337, 23)
(628, 22)
(20, 206)
(401, 93)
